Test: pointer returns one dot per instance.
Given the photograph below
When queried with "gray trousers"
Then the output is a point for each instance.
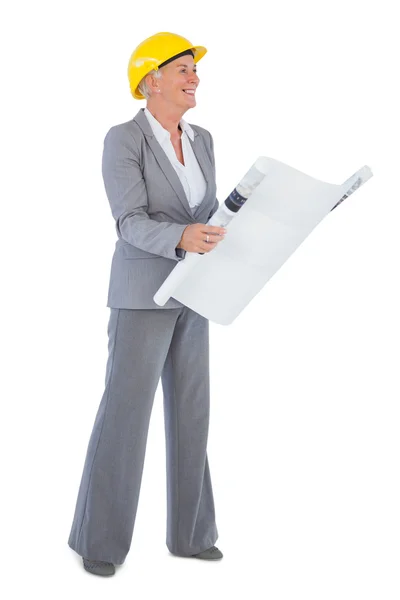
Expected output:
(144, 345)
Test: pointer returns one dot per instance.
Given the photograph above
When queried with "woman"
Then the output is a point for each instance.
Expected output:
(159, 176)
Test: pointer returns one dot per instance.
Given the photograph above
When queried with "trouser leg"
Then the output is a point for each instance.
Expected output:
(191, 525)
(109, 491)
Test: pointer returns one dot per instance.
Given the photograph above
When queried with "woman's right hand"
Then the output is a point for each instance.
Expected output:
(194, 236)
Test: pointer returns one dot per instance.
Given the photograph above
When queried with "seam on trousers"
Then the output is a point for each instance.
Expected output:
(177, 438)
(102, 425)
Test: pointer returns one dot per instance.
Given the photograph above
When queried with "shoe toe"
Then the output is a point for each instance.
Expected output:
(99, 567)
(212, 553)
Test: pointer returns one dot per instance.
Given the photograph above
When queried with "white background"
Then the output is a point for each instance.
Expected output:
(304, 441)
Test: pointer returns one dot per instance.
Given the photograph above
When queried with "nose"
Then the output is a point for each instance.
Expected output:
(193, 78)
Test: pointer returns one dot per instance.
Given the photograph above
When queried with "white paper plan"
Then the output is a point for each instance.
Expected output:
(279, 214)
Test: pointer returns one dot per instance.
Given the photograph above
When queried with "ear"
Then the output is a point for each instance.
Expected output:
(153, 83)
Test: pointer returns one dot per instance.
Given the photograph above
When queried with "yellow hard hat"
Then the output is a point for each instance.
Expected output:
(154, 51)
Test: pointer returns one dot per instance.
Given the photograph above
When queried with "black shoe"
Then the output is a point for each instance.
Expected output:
(211, 554)
(98, 567)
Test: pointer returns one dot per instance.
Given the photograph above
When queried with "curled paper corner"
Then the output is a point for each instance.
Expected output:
(354, 182)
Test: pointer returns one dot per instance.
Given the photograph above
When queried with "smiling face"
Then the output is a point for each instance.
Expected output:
(177, 76)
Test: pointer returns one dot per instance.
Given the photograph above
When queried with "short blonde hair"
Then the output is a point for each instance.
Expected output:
(143, 87)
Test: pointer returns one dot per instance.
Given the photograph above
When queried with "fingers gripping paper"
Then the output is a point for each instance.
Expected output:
(275, 219)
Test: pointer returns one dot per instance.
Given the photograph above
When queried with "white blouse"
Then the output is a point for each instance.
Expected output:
(190, 174)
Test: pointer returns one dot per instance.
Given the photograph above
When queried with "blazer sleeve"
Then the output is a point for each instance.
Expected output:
(216, 204)
(127, 195)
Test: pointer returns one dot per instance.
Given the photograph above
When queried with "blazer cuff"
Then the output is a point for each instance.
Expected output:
(180, 252)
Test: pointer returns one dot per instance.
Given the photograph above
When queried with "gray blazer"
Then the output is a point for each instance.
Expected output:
(150, 209)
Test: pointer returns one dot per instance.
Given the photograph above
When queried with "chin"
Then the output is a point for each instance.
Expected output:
(187, 106)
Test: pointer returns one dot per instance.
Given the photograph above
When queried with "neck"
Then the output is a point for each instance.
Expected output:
(167, 117)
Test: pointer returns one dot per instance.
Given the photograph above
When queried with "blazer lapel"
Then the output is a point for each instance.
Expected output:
(203, 160)
(165, 163)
